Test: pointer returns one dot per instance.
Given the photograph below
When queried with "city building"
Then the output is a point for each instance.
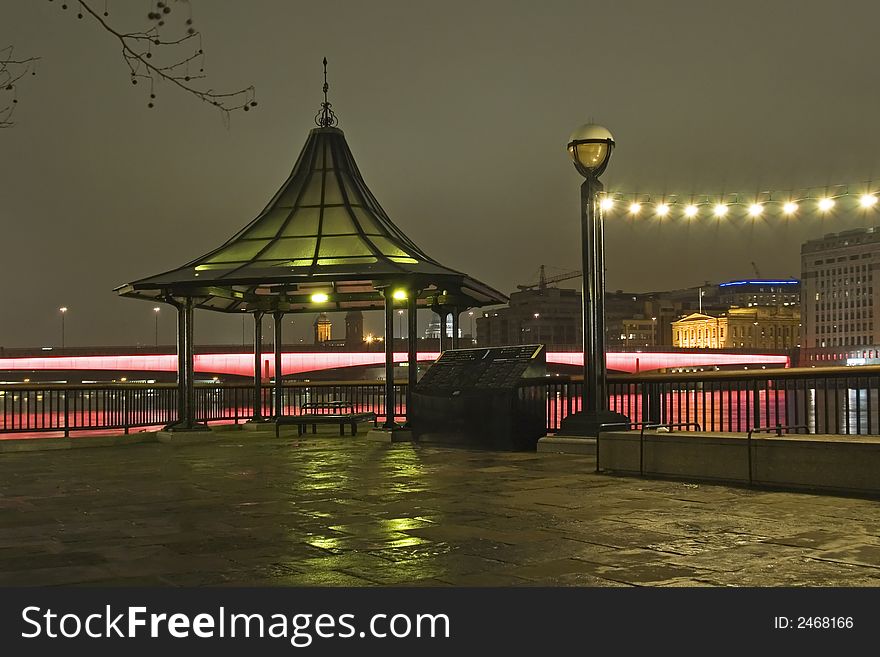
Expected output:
(548, 315)
(644, 319)
(758, 327)
(839, 297)
(432, 330)
(639, 332)
(322, 328)
(633, 320)
(354, 329)
(757, 292)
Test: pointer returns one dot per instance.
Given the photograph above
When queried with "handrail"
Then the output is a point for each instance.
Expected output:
(778, 429)
(807, 373)
(645, 424)
(771, 373)
(749, 374)
(35, 386)
(608, 425)
(668, 425)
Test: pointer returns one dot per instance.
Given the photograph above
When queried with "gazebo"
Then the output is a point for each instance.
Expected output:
(322, 244)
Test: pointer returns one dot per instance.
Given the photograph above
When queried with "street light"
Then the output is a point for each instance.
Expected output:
(156, 313)
(400, 323)
(654, 332)
(590, 148)
(473, 337)
(63, 311)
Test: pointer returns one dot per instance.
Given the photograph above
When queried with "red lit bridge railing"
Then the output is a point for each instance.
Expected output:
(843, 400)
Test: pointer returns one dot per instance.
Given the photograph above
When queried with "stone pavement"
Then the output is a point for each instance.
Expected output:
(330, 511)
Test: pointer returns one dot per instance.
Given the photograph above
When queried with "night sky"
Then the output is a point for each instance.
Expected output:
(458, 114)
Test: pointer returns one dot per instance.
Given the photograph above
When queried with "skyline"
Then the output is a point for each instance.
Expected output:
(459, 130)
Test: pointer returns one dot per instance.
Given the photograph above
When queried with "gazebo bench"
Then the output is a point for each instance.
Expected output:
(341, 413)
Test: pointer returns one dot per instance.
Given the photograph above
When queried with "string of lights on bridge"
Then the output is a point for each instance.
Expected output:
(787, 203)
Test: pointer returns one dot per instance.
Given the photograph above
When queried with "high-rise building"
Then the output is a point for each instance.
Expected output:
(759, 292)
(839, 297)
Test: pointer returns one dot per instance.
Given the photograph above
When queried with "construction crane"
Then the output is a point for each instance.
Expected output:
(755, 267)
(543, 281)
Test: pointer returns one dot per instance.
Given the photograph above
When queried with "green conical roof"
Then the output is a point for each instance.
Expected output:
(322, 231)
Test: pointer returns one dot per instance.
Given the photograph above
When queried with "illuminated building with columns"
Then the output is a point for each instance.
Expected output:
(758, 327)
(322, 328)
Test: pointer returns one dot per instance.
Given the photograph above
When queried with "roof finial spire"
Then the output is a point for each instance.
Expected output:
(326, 118)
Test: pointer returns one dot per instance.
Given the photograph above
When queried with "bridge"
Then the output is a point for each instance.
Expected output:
(242, 364)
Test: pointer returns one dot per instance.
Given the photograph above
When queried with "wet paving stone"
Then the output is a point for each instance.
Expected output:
(327, 511)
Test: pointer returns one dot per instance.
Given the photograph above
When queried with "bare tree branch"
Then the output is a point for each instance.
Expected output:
(11, 71)
(175, 55)
(150, 56)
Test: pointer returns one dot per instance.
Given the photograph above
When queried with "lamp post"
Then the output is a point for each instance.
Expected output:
(473, 337)
(63, 311)
(400, 323)
(156, 313)
(590, 148)
(653, 331)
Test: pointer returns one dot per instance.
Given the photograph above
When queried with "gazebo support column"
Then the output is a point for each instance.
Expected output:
(389, 358)
(190, 369)
(442, 313)
(186, 420)
(455, 322)
(412, 358)
(181, 365)
(258, 366)
(279, 374)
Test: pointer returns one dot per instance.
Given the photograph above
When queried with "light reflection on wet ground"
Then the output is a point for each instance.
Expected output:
(330, 511)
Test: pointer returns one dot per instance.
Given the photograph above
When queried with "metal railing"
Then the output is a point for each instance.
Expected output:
(645, 424)
(840, 400)
(123, 406)
(626, 426)
(777, 429)
(659, 425)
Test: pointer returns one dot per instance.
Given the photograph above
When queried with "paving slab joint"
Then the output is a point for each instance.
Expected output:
(189, 437)
(555, 444)
(390, 435)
